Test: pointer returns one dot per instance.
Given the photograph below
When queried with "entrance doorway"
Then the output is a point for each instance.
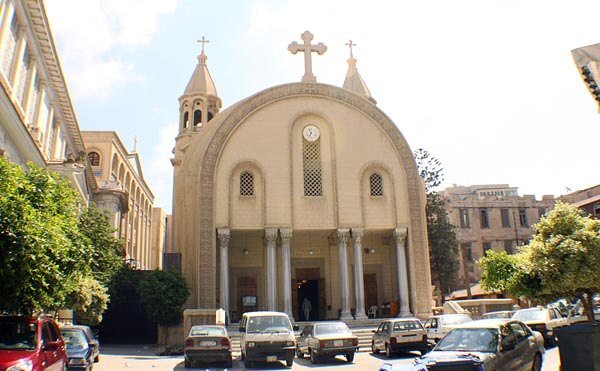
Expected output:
(370, 284)
(308, 284)
(308, 298)
(246, 296)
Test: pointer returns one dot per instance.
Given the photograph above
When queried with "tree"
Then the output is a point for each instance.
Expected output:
(89, 299)
(41, 250)
(443, 246)
(562, 260)
(163, 294)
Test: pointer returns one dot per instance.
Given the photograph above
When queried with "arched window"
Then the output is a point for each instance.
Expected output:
(94, 158)
(376, 183)
(210, 116)
(312, 167)
(246, 184)
(197, 117)
(186, 119)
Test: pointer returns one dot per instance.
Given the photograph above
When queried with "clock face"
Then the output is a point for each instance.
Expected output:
(311, 133)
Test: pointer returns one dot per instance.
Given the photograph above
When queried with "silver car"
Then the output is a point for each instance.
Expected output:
(490, 344)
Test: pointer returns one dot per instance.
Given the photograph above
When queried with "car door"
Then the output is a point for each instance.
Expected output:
(507, 358)
(524, 349)
(302, 340)
(54, 358)
(378, 335)
(431, 325)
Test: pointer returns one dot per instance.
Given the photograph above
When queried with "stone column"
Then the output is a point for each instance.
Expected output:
(271, 238)
(224, 234)
(359, 285)
(286, 272)
(342, 235)
(400, 236)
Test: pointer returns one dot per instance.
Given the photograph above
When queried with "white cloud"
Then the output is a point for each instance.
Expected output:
(90, 35)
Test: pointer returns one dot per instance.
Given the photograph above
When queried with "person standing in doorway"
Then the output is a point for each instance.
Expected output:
(306, 308)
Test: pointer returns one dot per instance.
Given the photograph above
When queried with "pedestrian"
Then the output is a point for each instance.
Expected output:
(306, 308)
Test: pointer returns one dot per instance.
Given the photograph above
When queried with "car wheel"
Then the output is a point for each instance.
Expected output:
(388, 351)
(299, 353)
(289, 362)
(313, 357)
(350, 357)
(537, 363)
(187, 363)
(374, 349)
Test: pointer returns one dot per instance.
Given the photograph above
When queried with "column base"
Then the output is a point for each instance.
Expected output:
(405, 314)
(346, 316)
(361, 316)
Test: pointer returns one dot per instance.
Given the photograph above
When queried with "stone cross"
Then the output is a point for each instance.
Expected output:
(307, 48)
(203, 41)
(350, 45)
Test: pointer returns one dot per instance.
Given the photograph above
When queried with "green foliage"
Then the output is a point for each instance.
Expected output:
(562, 260)
(89, 299)
(163, 294)
(443, 245)
(40, 247)
(106, 251)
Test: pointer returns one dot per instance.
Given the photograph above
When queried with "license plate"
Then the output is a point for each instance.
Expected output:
(271, 358)
(208, 343)
(338, 343)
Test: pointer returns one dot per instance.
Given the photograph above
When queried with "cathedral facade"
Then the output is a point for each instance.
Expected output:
(300, 191)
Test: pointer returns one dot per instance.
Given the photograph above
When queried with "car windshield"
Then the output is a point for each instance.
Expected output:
(470, 340)
(207, 331)
(332, 328)
(497, 315)
(18, 335)
(530, 315)
(455, 319)
(407, 326)
(269, 324)
(75, 339)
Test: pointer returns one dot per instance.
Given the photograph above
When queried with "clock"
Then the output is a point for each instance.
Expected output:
(311, 133)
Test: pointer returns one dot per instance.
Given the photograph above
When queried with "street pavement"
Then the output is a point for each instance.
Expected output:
(142, 357)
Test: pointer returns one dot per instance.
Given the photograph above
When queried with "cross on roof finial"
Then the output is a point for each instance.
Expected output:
(203, 41)
(307, 48)
(350, 45)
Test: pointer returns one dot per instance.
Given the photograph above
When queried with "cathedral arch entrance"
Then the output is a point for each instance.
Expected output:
(308, 285)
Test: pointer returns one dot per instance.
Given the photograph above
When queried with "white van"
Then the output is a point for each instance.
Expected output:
(438, 326)
(267, 337)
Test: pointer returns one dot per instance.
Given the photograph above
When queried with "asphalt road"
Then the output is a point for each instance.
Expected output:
(140, 357)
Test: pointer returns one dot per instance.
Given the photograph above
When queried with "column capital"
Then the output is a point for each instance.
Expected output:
(357, 234)
(270, 234)
(286, 234)
(224, 234)
(342, 233)
(400, 233)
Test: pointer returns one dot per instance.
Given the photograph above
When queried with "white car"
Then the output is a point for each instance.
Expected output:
(544, 320)
(438, 326)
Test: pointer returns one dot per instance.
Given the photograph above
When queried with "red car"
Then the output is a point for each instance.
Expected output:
(31, 344)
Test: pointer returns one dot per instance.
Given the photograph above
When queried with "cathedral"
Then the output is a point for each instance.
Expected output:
(301, 192)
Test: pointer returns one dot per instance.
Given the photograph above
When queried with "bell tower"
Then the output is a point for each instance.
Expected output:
(200, 101)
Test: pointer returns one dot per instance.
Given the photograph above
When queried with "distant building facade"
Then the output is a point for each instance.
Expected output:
(587, 200)
(37, 119)
(491, 217)
(123, 194)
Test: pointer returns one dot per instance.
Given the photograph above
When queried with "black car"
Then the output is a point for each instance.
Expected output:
(79, 350)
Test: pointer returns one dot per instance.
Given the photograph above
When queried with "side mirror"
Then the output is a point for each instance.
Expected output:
(242, 329)
(51, 347)
(296, 328)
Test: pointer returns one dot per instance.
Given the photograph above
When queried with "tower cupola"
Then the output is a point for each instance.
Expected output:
(353, 80)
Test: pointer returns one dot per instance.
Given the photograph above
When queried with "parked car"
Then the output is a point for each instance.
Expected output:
(91, 337)
(544, 320)
(207, 343)
(499, 314)
(489, 344)
(400, 334)
(79, 350)
(31, 344)
(438, 326)
(267, 337)
(327, 339)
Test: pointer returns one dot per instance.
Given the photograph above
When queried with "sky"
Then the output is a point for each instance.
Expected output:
(487, 87)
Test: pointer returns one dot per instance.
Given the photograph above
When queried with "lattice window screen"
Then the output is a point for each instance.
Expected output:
(312, 168)
(246, 184)
(376, 185)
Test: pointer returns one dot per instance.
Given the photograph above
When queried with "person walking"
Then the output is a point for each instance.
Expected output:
(306, 308)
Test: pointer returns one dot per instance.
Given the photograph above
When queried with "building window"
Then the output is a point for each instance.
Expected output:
(484, 218)
(197, 118)
(376, 183)
(523, 217)
(312, 167)
(21, 78)
(468, 251)
(542, 212)
(486, 247)
(508, 246)
(8, 49)
(186, 119)
(94, 158)
(246, 184)
(463, 215)
(597, 209)
(504, 213)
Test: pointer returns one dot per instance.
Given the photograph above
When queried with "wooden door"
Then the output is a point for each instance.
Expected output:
(246, 290)
(370, 282)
